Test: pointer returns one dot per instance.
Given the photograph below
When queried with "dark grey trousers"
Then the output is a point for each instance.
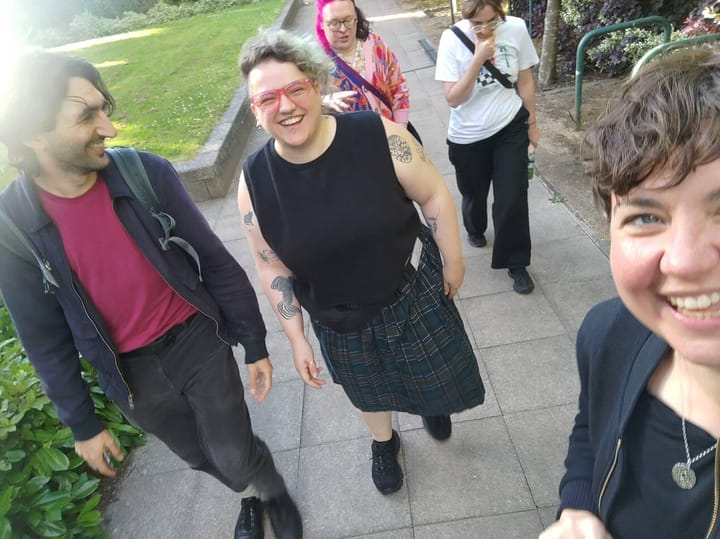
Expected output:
(187, 391)
(502, 160)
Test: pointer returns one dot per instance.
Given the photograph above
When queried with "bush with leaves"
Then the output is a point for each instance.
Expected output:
(46, 490)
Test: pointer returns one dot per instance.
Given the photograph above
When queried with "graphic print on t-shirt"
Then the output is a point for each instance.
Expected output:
(505, 57)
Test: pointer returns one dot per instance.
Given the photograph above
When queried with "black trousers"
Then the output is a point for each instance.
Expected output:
(502, 160)
(187, 391)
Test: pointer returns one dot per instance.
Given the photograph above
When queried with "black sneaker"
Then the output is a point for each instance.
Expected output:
(477, 241)
(438, 426)
(386, 472)
(284, 517)
(522, 283)
(250, 521)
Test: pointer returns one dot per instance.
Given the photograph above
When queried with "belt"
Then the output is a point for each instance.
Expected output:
(164, 340)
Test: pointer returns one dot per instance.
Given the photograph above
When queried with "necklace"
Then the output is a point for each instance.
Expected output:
(356, 59)
(682, 472)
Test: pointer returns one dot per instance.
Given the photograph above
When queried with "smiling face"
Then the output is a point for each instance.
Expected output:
(292, 116)
(342, 39)
(665, 259)
(76, 144)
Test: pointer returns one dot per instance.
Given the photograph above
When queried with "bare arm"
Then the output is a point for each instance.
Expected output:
(424, 184)
(526, 91)
(276, 281)
(456, 93)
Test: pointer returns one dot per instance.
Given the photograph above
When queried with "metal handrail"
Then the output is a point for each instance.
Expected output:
(688, 42)
(579, 60)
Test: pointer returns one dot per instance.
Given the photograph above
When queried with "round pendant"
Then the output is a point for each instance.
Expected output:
(683, 475)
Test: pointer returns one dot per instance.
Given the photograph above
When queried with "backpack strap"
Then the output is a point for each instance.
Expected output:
(494, 71)
(18, 243)
(133, 172)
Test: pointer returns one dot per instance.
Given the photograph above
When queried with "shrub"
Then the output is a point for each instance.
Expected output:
(46, 490)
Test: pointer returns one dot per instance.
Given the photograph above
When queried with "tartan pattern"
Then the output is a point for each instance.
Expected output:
(414, 356)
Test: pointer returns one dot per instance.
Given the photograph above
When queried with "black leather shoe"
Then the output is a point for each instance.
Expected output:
(386, 472)
(284, 517)
(522, 283)
(438, 426)
(250, 521)
(477, 241)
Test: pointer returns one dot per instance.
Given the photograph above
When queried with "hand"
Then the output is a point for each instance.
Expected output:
(534, 136)
(94, 449)
(453, 276)
(576, 524)
(305, 364)
(484, 48)
(260, 378)
(340, 101)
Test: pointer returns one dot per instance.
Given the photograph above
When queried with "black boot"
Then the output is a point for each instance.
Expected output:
(386, 472)
(250, 521)
(438, 426)
(284, 517)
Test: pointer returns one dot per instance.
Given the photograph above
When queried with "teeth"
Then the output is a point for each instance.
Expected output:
(290, 121)
(695, 303)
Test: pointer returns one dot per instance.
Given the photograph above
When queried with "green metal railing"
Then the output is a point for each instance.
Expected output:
(579, 59)
(665, 47)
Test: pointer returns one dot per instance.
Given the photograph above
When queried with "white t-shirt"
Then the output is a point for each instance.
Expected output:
(490, 106)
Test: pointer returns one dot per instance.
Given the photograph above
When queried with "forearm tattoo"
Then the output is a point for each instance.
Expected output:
(421, 151)
(268, 255)
(248, 219)
(432, 223)
(399, 149)
(286, 308)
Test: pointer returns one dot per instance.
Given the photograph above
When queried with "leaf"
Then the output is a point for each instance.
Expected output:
(35, 484)
(53, 458)
(91, 503)
(52, 500)
(89, 519)
(51, 529)
(15, 455)
(84, 489)
(5, 529)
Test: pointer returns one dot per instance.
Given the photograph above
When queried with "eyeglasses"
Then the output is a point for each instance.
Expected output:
(335, 25)
(489, 25)
(296, 91)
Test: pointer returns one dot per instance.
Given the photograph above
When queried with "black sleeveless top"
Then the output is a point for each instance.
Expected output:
(341, 223)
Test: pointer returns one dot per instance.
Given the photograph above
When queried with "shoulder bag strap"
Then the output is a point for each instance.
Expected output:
(358, 79)
(494, 71)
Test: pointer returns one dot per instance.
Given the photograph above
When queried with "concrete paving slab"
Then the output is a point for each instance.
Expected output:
(572, 301)
(550, 224)
(509, 317)
(337, 497)
(520, 525)
(474, 473)
(547, 514)
(277, 419)
(404, 533)
(569, 261)
(539, 436)
(533, 374)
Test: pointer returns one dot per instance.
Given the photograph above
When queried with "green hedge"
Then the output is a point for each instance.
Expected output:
(46, 490)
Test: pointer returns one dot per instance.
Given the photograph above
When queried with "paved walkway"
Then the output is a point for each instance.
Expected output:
(497, 476)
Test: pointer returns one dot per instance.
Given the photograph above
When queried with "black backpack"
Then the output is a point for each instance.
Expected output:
(133, 172)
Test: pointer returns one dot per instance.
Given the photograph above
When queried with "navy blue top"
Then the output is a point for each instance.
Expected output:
(649, 503)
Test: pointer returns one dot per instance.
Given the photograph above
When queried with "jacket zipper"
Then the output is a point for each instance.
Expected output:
(217, 324)
(131, 401)
(609, 474)
(713, 521)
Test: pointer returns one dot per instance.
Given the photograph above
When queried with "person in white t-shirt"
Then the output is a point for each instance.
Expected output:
(492, 128)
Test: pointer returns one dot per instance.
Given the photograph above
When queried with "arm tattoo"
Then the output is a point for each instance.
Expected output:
(421, 151)
(286, 308)
(248, 219)
(268, 255)
(399, 149)
(432, 223)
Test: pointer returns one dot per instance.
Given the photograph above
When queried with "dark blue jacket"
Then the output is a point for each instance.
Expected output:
(54, 327)
(616, 356)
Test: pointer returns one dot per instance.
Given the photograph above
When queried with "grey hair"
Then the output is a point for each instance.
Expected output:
(277, 44)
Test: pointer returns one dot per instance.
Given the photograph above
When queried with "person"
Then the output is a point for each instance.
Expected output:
(367, 74)
(492, 127)
(642, 459)
(333, 231)
(157, 333)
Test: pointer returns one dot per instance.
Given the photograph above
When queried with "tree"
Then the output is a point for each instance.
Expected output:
(548, 55)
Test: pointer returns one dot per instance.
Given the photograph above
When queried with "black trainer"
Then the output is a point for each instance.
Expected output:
(477, 241)
(284, 517)
(438, 426)
(250, 521)
(386, 472)
(522, 283)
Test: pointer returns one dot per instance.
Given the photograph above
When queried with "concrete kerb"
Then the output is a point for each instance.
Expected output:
(212, 171)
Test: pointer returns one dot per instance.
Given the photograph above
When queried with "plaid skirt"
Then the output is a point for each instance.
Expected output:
(414, 356)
